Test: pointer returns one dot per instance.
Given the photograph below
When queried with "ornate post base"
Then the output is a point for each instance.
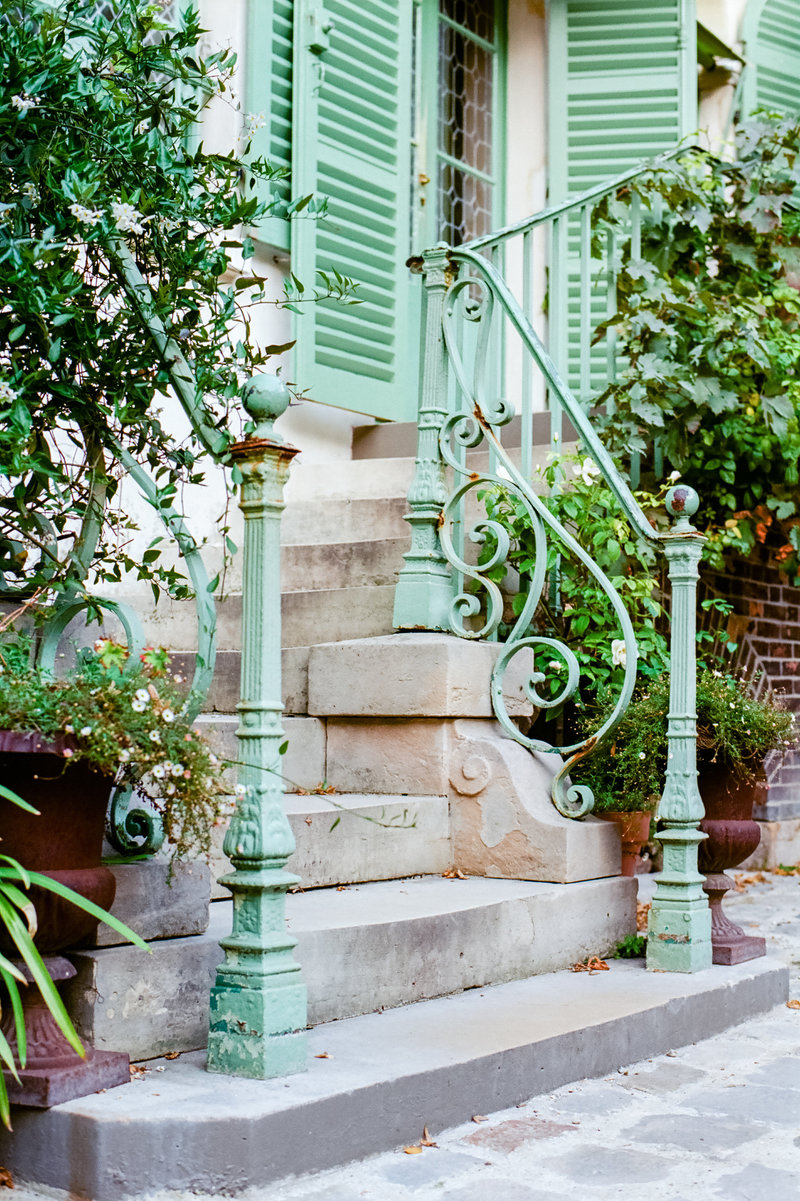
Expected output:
(729, 942)
(54, 1073)
(258, 1004)
(679, 925)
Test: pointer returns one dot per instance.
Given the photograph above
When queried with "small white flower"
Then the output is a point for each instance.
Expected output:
(673, 476)
(155, 736)
(588, 471)
(23, 103)
(170, 789)
(7, 392)
(619, 653)
(124, 755)
(176, 769)
(85, 731)
(138, 706)
(142, 695)
(127, 218)
(213, 760)
(85, 215)
(240, 790)
(30, 191)
(159, 771)
(70, 729)
(642, 755)
(168, 716)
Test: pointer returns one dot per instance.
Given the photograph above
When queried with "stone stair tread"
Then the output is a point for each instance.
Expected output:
(374, 1081)
(408, 899)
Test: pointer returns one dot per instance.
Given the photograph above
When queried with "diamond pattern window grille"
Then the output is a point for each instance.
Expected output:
(467, 85)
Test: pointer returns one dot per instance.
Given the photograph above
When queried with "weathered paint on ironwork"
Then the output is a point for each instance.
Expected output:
(679, 924)
(258, 1004)
(424, 587)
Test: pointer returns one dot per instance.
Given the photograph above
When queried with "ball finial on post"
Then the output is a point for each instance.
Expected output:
(265, 398)
(682, 502)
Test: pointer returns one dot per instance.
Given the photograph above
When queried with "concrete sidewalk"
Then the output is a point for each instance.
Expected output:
(722, 1114)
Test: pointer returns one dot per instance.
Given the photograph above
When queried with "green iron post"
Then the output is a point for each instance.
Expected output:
(424, 590)
(258, 1004)
(679, 926)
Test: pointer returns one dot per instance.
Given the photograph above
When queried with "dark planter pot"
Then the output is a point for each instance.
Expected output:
(65, 843)
(634, 831)
(732, 836)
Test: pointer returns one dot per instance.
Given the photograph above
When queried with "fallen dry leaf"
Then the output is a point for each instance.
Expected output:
(137, 1071)
(744, 881)
(413, 1150)
(322, 1055)
(6, 1179)
(426, 1140)
(172, 1054)
(308, 821)
(591, 965)
(642, 912)
(786, 870)
(793, 1004)
(478, 1117)
(453, 873)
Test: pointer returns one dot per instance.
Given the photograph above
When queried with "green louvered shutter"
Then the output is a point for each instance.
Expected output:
(772, 51)
(622, 89)
(268, 102)
(352, 70)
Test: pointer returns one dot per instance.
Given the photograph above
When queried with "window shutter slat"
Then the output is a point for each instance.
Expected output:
(772, 50)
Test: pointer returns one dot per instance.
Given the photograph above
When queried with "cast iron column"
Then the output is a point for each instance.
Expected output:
(258, 1004)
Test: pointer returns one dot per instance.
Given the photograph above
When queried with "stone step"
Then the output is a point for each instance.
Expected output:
(346, 519)
(341, 564)
(399, 438)
(374, 1081)
(364, 478)
(336, 614)
(354, 839)
(363, 948)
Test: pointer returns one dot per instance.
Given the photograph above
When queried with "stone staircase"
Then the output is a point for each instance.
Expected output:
(431, 857)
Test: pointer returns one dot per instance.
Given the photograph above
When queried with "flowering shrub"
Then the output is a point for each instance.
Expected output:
(99, 112)
(127, 725)
(626, 772)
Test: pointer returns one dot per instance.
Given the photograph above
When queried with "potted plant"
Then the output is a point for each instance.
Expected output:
(40, 1009)
(64, 744)
(735, 731)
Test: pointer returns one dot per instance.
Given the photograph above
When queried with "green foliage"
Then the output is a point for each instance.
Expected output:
(708, 322)
(100, 160)
(18, 924)
(632, 946)
(583, 618)
(129, 725)
(627, 770)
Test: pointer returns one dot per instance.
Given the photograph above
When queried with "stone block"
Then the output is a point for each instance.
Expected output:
(412, 675)
(504, 823)
(303, 765)
(780, 843)
(393, 756)
(124, 999)
(158, 903)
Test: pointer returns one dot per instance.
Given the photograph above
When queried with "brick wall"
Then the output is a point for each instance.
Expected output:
(765, 624)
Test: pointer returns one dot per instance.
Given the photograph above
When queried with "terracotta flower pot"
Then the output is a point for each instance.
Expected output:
(732, 836)
(64, 842)
(634, 830)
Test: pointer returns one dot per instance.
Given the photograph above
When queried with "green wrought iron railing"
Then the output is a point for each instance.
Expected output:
(485, 363)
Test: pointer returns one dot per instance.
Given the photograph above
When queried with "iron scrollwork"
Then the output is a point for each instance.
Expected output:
(472, 299)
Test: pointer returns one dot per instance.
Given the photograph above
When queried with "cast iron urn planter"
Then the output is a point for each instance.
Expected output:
(64, 842)
(732, 836)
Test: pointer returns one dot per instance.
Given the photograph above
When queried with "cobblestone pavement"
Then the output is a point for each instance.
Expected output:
(719, 1118)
